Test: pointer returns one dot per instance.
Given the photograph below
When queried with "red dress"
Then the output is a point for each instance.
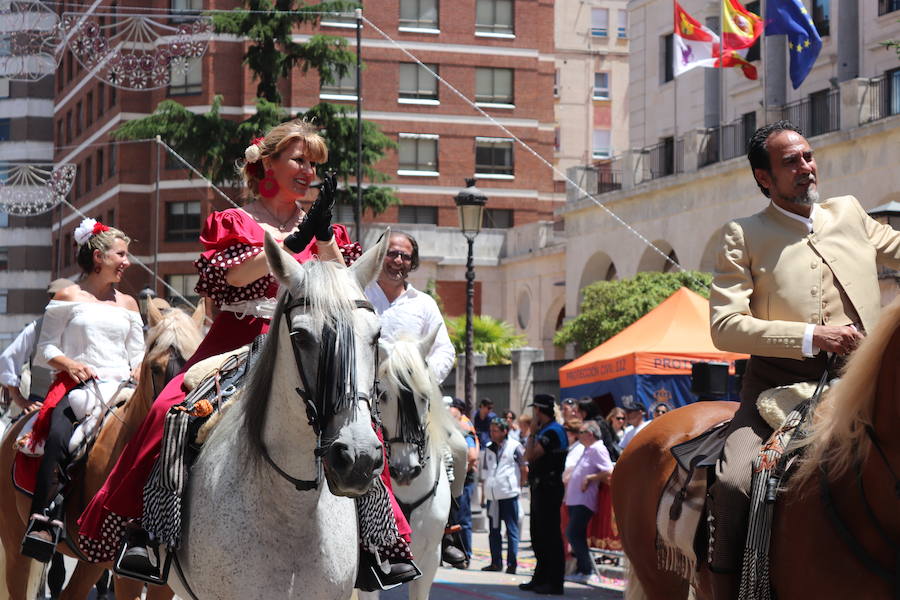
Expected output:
(229, 237)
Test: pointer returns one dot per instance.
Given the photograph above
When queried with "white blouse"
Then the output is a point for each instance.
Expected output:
(108, 338)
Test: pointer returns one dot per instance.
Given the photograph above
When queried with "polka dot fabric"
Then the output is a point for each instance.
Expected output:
(232, 237)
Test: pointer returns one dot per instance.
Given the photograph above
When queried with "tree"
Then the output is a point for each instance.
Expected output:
(492, 337)
(213, 142)
(611, 306)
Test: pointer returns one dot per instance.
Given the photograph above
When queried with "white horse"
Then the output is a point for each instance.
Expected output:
(260, 522)
(417, 429)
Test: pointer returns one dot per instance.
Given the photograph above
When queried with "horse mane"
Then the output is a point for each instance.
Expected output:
(405, 368)
(837, 438)
(177, 330)
(330, 295)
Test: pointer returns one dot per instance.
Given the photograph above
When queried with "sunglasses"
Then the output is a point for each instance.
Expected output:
(392, 254)
(619, 418)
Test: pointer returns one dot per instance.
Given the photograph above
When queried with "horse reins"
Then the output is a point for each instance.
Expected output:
(891, 576)
(405, 433)
(318, 410)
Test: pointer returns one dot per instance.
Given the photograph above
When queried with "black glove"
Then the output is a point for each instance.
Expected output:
(300, 238)
(321, 211)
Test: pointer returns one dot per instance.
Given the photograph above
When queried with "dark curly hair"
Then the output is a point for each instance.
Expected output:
(758, 150)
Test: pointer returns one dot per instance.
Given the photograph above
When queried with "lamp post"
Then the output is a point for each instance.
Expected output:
(470, 203)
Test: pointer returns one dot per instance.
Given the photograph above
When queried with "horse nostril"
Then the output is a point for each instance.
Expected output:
(415, 472)
(378, 463)
(340, 456)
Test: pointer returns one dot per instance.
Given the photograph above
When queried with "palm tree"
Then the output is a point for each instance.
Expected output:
(492, 337)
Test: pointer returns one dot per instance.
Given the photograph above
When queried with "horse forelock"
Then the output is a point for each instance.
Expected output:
(329, 290)
(404, 368)
(838, 438)
(176, 331)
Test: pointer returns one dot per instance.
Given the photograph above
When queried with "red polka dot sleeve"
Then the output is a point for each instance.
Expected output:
(231, 237)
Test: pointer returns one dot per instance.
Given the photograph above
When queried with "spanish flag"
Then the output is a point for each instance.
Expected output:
(740, 27)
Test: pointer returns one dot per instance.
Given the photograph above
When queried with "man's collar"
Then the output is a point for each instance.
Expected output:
(807, 221)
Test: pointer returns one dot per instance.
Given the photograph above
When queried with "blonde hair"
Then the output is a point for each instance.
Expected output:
(103, 242)
(275, 141)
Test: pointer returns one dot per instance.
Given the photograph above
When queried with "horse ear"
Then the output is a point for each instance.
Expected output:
(282, 265)
(367, 266)
(154, 315)
(427, 343)
(199, 313)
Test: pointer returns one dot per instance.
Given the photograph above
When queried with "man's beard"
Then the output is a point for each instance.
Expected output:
(811, 196)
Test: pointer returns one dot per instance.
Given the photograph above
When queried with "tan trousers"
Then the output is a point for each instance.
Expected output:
(729, 495)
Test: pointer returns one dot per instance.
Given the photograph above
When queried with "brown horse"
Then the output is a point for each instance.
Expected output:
(809, 558)
(172, 334)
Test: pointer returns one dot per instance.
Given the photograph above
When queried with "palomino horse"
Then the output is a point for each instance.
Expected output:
(416, 427)
(173, 337)
(836, 530)
(260, 522)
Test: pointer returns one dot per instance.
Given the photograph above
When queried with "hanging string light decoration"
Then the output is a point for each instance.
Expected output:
(32, 189)
(134, 51)
(29, 40)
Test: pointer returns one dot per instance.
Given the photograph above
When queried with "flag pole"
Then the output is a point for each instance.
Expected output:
(675, 137)
(764, 59)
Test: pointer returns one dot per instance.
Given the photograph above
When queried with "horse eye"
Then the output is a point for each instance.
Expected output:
(303, 338)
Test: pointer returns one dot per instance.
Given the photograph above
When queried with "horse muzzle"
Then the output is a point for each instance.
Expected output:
(404, 474)
(350, 470)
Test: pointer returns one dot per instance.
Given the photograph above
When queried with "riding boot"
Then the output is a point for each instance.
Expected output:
(374, 574)
(140, 558)
(452, 551)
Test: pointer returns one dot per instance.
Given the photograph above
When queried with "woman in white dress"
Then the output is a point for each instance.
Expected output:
(92, 337)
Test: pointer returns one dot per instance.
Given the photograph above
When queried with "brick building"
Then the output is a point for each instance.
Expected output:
(482, 47)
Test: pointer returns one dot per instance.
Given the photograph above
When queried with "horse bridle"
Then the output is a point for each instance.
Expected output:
(318, 409)
(891, 576)
(417, 438)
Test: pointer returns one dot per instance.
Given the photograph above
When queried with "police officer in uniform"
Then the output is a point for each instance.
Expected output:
(545, 452)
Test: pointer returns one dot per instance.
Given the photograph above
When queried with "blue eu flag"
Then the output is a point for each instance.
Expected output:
(791, 18)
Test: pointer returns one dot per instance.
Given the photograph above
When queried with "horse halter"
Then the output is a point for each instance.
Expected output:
(410, 429)
(324, 401)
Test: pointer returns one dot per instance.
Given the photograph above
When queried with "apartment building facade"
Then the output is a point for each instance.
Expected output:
(686, 172)
(496, 53)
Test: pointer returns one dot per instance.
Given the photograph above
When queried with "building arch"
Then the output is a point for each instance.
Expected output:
(651, 260)
(553, 320)
(599, 267)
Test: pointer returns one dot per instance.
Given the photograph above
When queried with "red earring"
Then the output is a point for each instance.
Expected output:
(268, 185)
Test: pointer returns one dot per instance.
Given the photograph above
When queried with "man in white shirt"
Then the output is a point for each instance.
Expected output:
(635, 414)
(404, 308)
(503, 470)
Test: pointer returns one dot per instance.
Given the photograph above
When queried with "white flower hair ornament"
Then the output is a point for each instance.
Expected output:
(87, 229)
(253, 151)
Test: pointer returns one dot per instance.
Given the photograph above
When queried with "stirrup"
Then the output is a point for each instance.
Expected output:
(372, 577)
(128, 559)
(37, 546)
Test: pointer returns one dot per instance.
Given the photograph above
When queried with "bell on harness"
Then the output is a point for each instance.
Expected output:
(139, 558)
(44, 533)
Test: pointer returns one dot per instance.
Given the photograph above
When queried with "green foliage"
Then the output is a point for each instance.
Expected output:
(208, 141)
(272, 55)
(431, 290)
(492, 337)
(611, 306)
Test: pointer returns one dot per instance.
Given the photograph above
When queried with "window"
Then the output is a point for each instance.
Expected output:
(497, 218)
(348, 21)
(416, 83)
(494, 17)
(556, 83)
(493, 156)
(343, 213)
(419, 14)
(4, 301)
(182, 221)
(556, 139)
(886, 6)
(600, 144)
(79, 118)
(186, 81)
(88, 173)
(4, 258)
(100, 98)
(113, 157)
(4, 219)
(5, 130)
(748, 126)
(113, 95)
(666, 52)
(622, 30)
(99, 166)
(418, 153)
(343, 88)
(755, 50)
(599, 22)
(892, 91)
(494, 86)
(111, 217)
(89, 105)
(601, 86)
(4, 87)
(184, 285)
(821, 14)
(417, 214)
(189, 8)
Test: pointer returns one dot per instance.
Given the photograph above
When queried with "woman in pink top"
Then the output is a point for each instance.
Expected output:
(593, 468)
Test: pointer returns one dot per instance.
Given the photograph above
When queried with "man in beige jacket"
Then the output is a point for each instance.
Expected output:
(793, 282)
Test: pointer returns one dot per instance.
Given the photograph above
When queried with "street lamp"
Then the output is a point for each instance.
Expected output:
(470, 203)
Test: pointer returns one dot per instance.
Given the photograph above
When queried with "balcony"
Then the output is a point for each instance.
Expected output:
(818, 113)
(882, 97)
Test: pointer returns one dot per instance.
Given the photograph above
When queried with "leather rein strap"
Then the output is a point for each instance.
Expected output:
(315, 408)
(891, 576)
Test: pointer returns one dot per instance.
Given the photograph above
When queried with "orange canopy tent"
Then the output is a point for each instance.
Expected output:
(651, 359)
